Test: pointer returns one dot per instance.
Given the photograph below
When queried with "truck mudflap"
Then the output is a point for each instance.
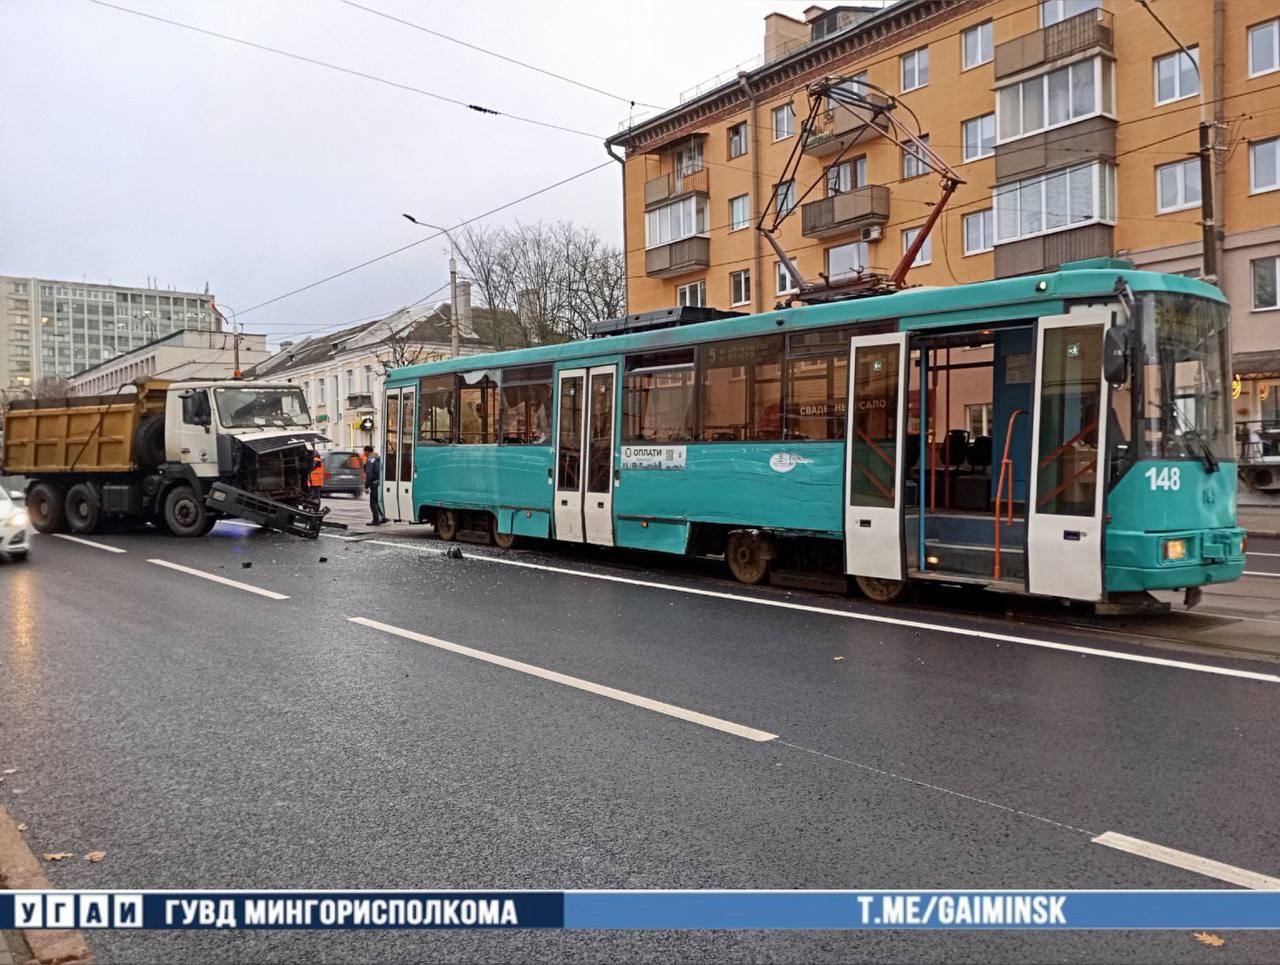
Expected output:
(268, 513)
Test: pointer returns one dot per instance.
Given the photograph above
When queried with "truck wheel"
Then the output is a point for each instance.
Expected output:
(148, 442)
(446, 524)
(184, 512)
(748, 554)
(83, 509)
(44, 508)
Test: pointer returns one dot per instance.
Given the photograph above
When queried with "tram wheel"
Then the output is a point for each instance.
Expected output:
(504, 541)
(446, 525)
(880, 590)
(748, 555)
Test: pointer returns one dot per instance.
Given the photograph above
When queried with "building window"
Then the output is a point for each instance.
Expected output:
(1055, 202)
(368, 378)
(692, 295)
(855, 86)
(688, 159)
(850, 259)
(1264, 48)
(846, 176)
(741, 390)
(925, 255)
(977, 45)
(784, 121)
(659, 397)
(1264, 165)
(1178, 185)
(979, 419)
(739, 212)
(1265, 293)
(320, 388)
(740, 287)
(784, 197)
(1177, 76)
(673, 222)
(784, 284)
(980, 137)
(351, 382)
(979, 232)
(913, 163)
(1062, 96)
(915, 69)
(1056, 11)
(738, 139)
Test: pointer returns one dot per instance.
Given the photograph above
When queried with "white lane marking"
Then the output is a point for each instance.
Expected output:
(692, 716)
(269, 594)
(877, 618)
(1188, 861)
(1274, 576)
(1260, 553)
(88, 542)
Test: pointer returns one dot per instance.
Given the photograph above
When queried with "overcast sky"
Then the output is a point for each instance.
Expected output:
(131, 148)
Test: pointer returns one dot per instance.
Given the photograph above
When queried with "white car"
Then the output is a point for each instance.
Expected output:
(15, 534)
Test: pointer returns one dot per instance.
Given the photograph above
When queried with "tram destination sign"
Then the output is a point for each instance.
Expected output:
(654, 457)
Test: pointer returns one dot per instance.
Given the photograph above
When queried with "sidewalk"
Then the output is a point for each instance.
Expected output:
(355, 514)
(1262, 522)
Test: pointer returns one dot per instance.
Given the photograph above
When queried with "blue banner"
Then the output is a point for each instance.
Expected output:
(675, 910)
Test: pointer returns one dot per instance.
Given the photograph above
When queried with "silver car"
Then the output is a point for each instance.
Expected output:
(341, 471)
(15, 534)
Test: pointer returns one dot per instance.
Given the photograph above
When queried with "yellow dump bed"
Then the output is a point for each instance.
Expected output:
(85, 434)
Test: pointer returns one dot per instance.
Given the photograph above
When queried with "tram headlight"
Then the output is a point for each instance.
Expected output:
(1174, 549)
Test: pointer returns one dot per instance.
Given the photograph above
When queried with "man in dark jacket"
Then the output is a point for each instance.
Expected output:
(373, 484)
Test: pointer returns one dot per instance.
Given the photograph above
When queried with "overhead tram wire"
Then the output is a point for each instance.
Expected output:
(493, 53)
(422, 241)
(478, 108)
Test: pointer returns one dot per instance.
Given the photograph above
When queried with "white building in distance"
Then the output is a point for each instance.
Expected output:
(182, 355)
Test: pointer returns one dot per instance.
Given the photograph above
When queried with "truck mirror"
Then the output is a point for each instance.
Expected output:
(195, 408)
(1115, 355)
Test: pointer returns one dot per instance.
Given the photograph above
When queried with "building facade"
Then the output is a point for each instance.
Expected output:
(1074, 124)
(185, 354)
(53, 329)
(341, 373)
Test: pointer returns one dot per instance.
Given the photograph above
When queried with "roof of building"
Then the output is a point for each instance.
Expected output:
(1265, 363)
(172, 336)
(810, 62)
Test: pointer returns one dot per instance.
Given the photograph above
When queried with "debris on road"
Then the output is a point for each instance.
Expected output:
(246, 564)
(11, 770)
(1210, 939)
(95, 856)
(55, 855)
(22, 827)
(454, 552)
(324, 559)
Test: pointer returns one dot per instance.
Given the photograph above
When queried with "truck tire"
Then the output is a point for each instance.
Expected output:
(148, 442)
(83, 509)
(44, 508)
(185, 513)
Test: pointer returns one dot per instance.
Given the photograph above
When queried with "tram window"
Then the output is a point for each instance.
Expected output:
(477, 409)
(873, 456)
(817, 384)
(569, 451)
(526, 401)
(658, 397)
(435, 410)
(741, 397)
(1071, 387)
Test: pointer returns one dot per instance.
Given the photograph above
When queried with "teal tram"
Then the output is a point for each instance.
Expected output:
(1066, 435)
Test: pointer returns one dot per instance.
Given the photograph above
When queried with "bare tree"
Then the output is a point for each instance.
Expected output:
(403, 343)
(51, 387)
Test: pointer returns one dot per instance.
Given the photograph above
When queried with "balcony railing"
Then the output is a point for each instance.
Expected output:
(1085, 31)
(843, 126)
(360, 400)
(667, 186)
(863, 207)
(678, 258)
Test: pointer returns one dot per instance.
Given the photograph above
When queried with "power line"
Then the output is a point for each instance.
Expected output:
(421, 241)
(493, 53)
(478, 108)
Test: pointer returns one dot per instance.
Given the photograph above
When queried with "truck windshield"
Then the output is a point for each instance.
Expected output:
(243, 408)
(1178, 404)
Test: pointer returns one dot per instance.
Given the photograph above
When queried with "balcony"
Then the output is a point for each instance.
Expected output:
(1085, 31)
(668, 187)
(360, 400)
(1046, 252)
(863, 207)
(842, 127)
(678, 258)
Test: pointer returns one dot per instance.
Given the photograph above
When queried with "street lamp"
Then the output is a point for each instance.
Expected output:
(236, 331)
(454, 347)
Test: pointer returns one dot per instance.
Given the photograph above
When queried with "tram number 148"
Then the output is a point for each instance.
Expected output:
(1168, 478)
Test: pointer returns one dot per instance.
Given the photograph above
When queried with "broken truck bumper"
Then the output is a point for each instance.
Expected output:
(267, 513)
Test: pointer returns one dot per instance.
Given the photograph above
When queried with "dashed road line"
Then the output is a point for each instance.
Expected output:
(88, 542)
(1274, 576)
(214, 578)
(1188, 861)
(623, 696)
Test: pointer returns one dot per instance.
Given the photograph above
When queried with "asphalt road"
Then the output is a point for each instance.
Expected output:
(206, 736)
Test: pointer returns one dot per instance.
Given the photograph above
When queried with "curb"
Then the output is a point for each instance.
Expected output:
(1263, 533)
(20, 871)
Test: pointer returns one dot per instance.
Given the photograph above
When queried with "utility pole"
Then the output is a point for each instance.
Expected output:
(1208, 227)
(455, 347)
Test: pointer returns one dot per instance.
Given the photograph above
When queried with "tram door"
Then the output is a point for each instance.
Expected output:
(1068, 440)
(584, 454)
(404, 479)
(874, 447)
(391, 453)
